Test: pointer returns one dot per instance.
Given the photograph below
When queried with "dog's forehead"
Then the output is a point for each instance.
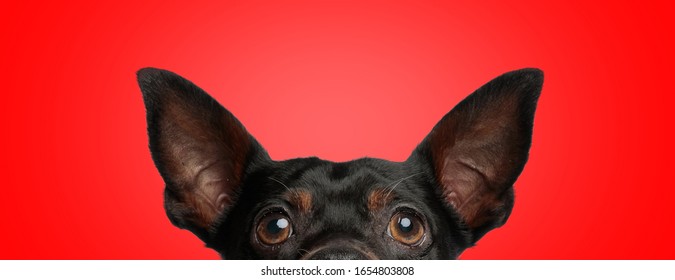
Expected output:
(343, 198)
(327, 176)
(363, 182)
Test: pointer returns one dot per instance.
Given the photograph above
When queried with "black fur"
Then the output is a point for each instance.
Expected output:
(456, 186)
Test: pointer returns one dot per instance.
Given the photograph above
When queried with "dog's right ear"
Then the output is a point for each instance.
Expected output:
(200, 149)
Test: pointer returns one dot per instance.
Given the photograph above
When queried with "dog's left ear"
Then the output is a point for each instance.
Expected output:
(478, 150)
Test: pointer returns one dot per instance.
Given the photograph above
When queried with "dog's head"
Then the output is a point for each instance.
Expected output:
(455, 186)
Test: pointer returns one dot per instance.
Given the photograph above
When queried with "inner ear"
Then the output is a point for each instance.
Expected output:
(199, 148)
(480, 147)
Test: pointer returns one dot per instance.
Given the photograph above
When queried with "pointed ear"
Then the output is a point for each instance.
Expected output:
(200, 149)
(480, 147)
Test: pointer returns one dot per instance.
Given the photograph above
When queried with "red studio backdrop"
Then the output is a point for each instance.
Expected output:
(339, 80)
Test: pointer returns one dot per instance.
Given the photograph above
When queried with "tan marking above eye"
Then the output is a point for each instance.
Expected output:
(378, 198)
(300, 199)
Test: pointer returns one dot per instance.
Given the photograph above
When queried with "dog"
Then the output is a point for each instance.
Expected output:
(456, 185)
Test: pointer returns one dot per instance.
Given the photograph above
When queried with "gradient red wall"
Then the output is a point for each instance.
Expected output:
(339, 80)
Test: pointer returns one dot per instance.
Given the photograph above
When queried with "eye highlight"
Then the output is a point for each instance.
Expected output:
(406, 228)
(274, 228)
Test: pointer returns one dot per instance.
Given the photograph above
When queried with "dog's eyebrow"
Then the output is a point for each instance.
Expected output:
(378, 198)
(300, 199)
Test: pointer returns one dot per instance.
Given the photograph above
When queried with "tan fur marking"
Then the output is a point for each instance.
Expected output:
(378, 198)
(300, 199)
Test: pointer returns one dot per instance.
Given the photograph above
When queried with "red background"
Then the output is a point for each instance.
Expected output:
(338, 80)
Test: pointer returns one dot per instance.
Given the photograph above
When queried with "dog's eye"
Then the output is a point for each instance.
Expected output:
(406, 228)
(274, 229)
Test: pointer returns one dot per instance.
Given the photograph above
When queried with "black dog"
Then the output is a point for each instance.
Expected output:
(455, 186)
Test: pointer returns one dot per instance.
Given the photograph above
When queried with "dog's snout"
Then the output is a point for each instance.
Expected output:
(340, 249)
(337, 254)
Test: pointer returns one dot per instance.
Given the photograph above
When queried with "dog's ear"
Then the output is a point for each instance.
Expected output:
(480, 147)
(200, 149)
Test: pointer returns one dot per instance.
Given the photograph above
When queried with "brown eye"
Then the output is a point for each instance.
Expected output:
(274, 229)
(406, 228)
